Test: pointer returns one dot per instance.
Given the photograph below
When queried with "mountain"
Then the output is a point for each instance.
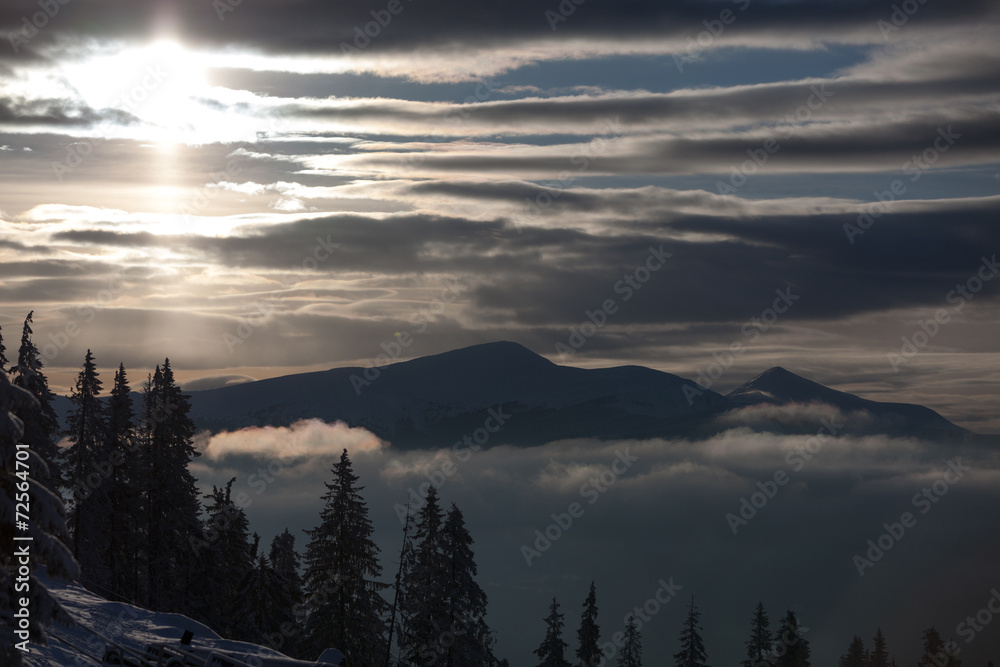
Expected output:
(777, 386)
(436, 400)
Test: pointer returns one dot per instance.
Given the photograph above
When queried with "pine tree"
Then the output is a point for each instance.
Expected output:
(761, 640)
(342, 569)
(3, 353)
(880, 653)
(86, 462)
(552, 649)
(631, 655)
(46, 526)
(936, 653)
(423, 610)
(257, 609)
(225, 552)
(39, 418)
(285, 562)
(692, 653)
(470, 641)
(124, 540)
(171, 524)
(792, 648)
(405, 561)
(589, 634)
(856, 656)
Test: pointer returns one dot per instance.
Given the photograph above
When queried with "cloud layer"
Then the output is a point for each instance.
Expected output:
(668, 509)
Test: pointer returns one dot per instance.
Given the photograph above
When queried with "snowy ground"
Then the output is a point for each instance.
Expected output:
(134, 628)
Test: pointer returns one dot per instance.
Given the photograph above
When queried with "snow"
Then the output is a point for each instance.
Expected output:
(135, 628)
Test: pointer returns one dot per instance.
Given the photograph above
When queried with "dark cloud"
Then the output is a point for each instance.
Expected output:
(57, 112)
(767, 103)
(313, 26)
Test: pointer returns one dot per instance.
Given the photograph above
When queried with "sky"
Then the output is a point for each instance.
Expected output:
(259, 188)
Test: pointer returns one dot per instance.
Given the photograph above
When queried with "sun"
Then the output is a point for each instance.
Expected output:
(159, 86)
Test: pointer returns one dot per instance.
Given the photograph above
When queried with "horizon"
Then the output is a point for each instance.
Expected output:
(728, 382)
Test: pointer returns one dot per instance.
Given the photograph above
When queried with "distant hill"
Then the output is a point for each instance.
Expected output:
(434, 401)
(777, 386)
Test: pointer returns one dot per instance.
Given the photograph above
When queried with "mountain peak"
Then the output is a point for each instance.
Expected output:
(779, 385)
(503, 354)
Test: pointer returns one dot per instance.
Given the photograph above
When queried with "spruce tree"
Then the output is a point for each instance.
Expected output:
(792, 648)
(172, 526)
(936, 652)
(46, 526)
(880, 653)
(225, 552)
(346, 611)
(39, 418)
(3, 353)
(692, 653)
(589, 634)
(285, 562)
(631, 655)
(761, 640)
(551, 652)
(423, 610)
(856, 656)
(87, 462)
(124, 540)
(470, 641)
(261, 599)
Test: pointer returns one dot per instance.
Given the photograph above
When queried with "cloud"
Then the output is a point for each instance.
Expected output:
(215, 381)
(794, 416)
(664, 515)
(270, 24)
(304, 438)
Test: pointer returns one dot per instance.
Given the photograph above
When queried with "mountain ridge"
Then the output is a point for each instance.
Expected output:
(437, 399)
(778, 386)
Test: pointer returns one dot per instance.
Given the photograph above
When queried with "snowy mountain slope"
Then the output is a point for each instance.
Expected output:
(777, 386)
(437, 399)
(134, 628)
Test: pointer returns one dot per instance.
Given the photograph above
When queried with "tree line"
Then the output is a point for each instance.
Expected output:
(785, 647)
(121, 514)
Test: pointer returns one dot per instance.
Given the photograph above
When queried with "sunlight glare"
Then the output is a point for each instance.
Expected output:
(159, 84)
